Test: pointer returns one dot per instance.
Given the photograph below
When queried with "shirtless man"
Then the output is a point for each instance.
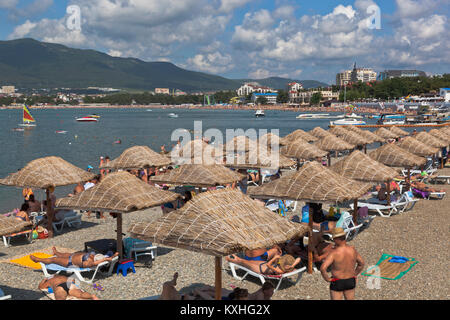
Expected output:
(78, 189)
(342, 260)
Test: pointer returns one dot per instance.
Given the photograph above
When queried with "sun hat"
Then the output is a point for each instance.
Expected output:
(338, 232)
(286, 260)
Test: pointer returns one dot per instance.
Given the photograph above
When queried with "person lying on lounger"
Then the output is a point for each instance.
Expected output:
(77, 259)
(63, 287)
(276, 266)
(209, 293)
(262, 254)
(425, 188)
(22, 215)
(170, 292)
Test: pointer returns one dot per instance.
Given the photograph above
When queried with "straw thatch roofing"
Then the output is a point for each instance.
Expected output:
(47, 172)
(394, 156)
(198, 175)
(430, 140)
(9, 225)
(445, 129)
(300, 149)
(386, 134)
(350, 136)
(219, 223)
(440, 135)
(118, 192)
(361, 167)
(314, 183)
(258, 159)
(333, 143)
(365, 133)
(416, 147)
(197, 152)
(240, 144)
(269, 139)
(318, 132)
(138, 157)
(299, 134)
(400, 132)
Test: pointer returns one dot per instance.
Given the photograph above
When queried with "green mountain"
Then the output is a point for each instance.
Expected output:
(28, 63)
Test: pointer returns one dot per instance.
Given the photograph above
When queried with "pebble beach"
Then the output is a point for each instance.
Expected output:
(420, 233)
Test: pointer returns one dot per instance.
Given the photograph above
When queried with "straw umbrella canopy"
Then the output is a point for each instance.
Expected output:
(46, 173)
(416, 147)
(430, 140)
(365, 133)
(350, 136)
(393, 156)
(269, 139)
(386, 134)
(261, 158)
(299, 134)
(446, 130)
(300, 149)
(240, 144)
(198, 152)
(219, 223)
(319, 132)
(331, 143)
(137, 157)
(9, 225)
(198, 175)
(118, 192)
(440, 135)
(338, 131)
(400, 132)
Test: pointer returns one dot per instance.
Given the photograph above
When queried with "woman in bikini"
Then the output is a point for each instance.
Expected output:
(63, 287)
(262, 254)
(276, 266)
(22, 215)
(77, 259)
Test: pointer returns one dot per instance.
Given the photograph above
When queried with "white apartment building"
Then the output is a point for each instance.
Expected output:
(445, 93)
(8, 90)
(344, 78)
(355, 75)
(162, 90)
(253, 87)
(305, 96)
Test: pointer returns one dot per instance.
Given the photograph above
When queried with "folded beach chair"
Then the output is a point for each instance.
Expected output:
(263, 277)
(78, 271)
(3, 296)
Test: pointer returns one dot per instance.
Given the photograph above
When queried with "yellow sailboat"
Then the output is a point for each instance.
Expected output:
(28, 120)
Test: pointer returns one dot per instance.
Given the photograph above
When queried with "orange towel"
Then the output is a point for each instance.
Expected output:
(26, 261)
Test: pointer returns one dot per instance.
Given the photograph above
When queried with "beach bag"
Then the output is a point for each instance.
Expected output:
(42, 232)
(35, 235)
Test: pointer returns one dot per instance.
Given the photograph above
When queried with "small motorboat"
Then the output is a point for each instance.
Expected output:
(87, 119)
(260, 113)
(353, 116)
(18, 129)
(172, 115)
(347, 122)
(94, 116)
(61, 131)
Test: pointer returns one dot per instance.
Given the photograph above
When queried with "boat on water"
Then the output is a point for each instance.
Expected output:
(260, 113)
(172, 115)
(313, 116)
(18, 129)
(94, 116)
(354, 116)
(28, 120)
(87, 119)
(61, 131)
(347, 122)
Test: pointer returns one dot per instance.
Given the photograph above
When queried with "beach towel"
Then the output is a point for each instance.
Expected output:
(391, 267)
(26, 262)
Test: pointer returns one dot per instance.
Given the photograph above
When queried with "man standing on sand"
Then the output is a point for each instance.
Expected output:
(342, 259)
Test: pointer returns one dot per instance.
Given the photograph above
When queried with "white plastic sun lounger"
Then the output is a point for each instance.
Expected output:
(78, 271)
(263, 277)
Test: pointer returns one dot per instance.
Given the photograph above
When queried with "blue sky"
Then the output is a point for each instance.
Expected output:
(246, 38)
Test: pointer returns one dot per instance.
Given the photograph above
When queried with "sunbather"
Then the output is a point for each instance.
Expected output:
(262, 254)
(63, 287)
(209, 293)
(169, 291)
(22, 215)
(34, 205)
(423, 187)
(77, 259)
(276, 266)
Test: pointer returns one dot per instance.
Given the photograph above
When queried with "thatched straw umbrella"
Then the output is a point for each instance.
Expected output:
(197, 175)
(386, 134)
(332, 143)
(350, 137)
(365, 133)
(138, 157)
(416, 147)
(299, 134)
(219, 223)
(360, 167)
(440, 135)
(240, 144)
(301, 150)
(400, 132)
(393, 156)
(269, 139)
(9, 225)
(312, 183)
(118, 192)
(319, 133)
(432, 141)
(261, 158)
(47, 173)
(197, 152)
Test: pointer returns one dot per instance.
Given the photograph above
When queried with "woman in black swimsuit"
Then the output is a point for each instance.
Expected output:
(78, 259)
(64, 287)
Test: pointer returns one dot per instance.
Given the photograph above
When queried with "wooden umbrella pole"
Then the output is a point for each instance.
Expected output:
(310, 253)
(329, 159)
(408, 179)
(119, 235)
(218, 285)
(388, 191)
(355, 212)
(365, 148)
(49, 214)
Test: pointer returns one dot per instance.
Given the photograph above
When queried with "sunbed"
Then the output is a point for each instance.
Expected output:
(3, 296)
(78, 271)
(71, 219)
(428, 195)
(263, 277)
(405, 203)
(135, 248)
(27, 233)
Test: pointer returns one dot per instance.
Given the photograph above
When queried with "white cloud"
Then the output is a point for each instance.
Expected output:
(229, 5)
(211, 62)
(8, 4)
(259, 74)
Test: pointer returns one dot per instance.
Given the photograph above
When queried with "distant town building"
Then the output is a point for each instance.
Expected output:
(363, 74)
(178, 92)
(305, 96)
(389, 74)
(293, 89)
(445, 93)
(270, 96)
(8, 90)
(344, 78)
(253, 87)
(162, 90)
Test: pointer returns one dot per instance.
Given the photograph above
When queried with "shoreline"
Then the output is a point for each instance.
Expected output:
(249, 108)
